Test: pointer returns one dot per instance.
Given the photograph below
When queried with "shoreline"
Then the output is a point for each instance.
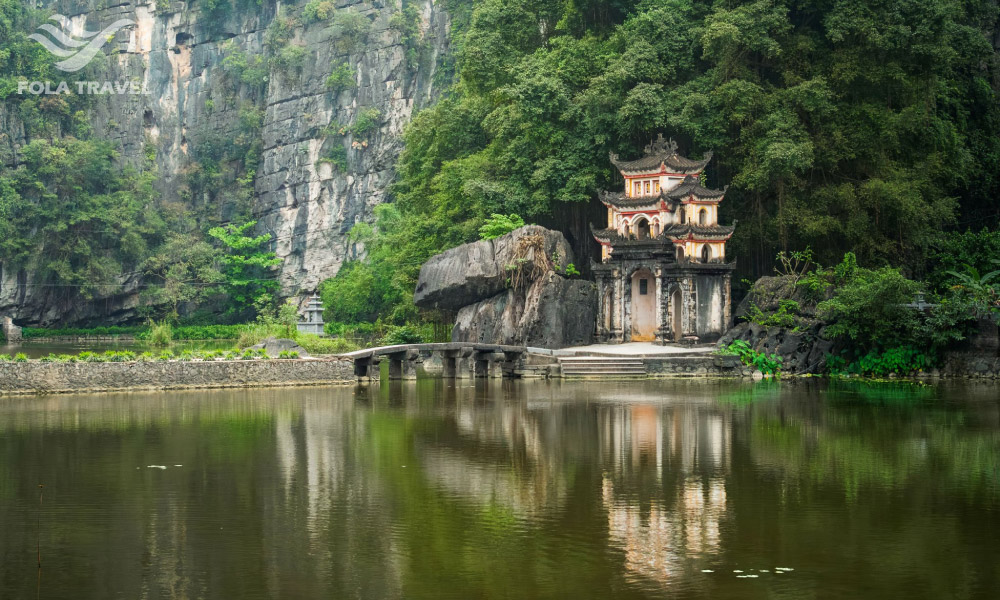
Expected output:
(40, 378)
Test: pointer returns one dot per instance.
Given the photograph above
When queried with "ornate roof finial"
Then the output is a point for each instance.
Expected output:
(661, 146)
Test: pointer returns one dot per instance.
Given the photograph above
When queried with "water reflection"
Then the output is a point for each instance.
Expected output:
(664, 488)
(644, 489)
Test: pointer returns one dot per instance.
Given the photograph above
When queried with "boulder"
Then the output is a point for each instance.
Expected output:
(768, 292)
(554, 312)
(274, 347)
(475, 272)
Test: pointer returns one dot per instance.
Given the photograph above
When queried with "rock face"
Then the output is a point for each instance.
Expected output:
(472, 272)
(802, 349)
(554, 313)
(307, 204)
(528, 305)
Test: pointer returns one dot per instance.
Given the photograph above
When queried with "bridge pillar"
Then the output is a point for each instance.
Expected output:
(402, 365)
(449, 364)
(367, 368)
(465, 364)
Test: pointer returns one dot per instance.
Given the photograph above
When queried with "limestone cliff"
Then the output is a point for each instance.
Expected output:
(306, 203)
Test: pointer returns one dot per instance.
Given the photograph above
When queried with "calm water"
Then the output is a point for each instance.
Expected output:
(513, 490)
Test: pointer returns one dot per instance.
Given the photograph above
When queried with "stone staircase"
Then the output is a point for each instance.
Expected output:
(612, 367)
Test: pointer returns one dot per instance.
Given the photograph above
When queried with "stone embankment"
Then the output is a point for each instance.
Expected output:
(34, 377)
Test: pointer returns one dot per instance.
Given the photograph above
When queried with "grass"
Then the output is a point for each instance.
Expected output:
(250, 334)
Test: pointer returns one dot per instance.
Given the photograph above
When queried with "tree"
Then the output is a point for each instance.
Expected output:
(248, 278)
(184, 269)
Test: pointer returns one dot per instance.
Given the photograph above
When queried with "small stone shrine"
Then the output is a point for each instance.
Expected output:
(312, 317)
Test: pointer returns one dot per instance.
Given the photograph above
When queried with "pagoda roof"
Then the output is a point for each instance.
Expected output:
(606, 236)
(674, 232)
(621, 201)
(691, 186)
(679, 231)
(658, 155)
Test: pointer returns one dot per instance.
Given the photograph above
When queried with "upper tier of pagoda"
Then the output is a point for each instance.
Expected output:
(664, 209)
(688, 190)
(660, 156)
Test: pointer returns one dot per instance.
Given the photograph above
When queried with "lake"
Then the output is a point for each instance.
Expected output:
(645, 489)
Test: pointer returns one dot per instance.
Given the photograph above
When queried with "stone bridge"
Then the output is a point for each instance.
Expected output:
(451, 360)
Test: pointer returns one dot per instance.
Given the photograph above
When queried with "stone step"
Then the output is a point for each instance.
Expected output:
(602, 366)
(603, 371)
(600, 361)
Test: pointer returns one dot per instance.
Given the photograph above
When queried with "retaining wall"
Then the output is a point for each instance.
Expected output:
(695, 366)
(55, 377)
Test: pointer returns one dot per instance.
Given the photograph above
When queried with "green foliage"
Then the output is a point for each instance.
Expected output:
(350, 30)
(20, 357)
(955, 252)
(766, 364)
(160, 334)
(901, 360)
(318, 10)
(37, 332)
(361, 291)
(870, 313)
(366, 122)
(251, 71)
(869, 309)
(401, 334)
(248, 277)
(74, 218)
(288, 317)
(785, 316)
(341, 78)
(288, 354)
(183, 269)
(498, 225)
(406, 23)
(336, 156)
(319, 345)
(571, 270)
(979, 292)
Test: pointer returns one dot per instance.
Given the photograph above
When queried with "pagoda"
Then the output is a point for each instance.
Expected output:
(663, 275)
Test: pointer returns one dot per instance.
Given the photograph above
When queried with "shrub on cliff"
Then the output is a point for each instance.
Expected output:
(498, 225)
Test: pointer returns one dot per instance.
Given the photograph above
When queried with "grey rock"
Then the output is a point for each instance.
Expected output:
(789, 344)
(554, 312)
(477, 271)
(275, 346)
